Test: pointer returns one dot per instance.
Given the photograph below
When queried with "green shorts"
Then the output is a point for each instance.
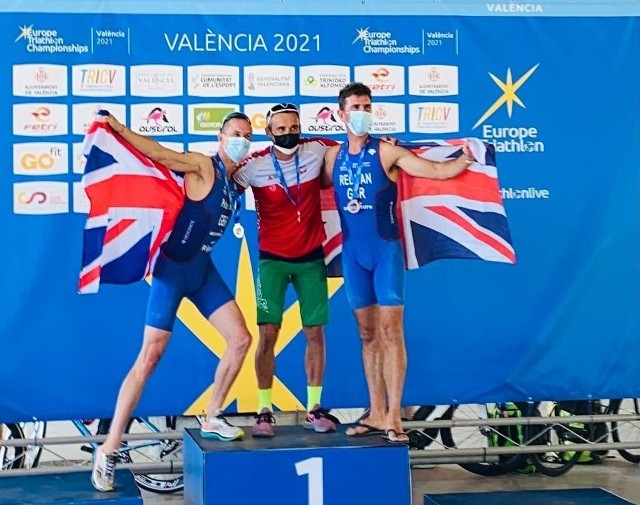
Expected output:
(309, 281)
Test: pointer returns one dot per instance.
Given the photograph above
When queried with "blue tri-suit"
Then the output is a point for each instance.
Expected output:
(372, 256)
(184, 267)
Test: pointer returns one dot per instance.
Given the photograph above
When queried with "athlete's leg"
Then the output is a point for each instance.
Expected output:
(394, 364)
(372, 357)
(271, 285)
(166, 292)
(228, 320)
(105, 457)
(361, 296)
(389, 287)
(310, 283)
(153, 347)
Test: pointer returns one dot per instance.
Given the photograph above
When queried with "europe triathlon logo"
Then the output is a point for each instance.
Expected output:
(46, 41)
(382, 43)
(510, 139)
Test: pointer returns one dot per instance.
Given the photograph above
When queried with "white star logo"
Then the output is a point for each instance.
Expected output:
(25, 31)
(363, 34)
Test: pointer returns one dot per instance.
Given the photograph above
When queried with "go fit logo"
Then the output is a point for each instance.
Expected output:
(40, 158)
(40, 198)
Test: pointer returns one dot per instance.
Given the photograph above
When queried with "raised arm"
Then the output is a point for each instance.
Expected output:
(396, 157)
(178, 162)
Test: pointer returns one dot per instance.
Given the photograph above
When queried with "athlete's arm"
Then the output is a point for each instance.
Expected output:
(178, 162)
(326, 177)
(396, 157)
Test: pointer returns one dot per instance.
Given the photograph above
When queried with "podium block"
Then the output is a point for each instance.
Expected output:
(296, 467)
(592, 496)
(67, 489)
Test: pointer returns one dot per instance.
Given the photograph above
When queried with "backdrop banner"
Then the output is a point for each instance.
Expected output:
(554, 86)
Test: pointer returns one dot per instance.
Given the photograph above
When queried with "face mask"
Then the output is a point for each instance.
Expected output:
(237, 148)
(287, 144)
(360, 122)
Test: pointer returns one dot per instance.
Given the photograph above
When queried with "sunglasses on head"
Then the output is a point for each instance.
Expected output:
(281, 107)
(234, 115)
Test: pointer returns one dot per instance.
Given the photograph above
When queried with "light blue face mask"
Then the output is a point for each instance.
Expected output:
(237, 148)
(360, 122)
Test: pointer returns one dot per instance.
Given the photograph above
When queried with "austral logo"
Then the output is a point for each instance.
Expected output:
(513, 138)
(157, 122)
(325, 121)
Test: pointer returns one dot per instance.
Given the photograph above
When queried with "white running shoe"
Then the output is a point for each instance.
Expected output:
(104, 469)
(218, 427)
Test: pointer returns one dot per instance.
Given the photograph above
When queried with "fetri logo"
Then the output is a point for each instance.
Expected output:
(41, 114)
(42, 119)
(381, 75)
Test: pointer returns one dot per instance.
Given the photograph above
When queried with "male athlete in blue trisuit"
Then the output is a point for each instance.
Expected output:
(363, 172)
(184, 269)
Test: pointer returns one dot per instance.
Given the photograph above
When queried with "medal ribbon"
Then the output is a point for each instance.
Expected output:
(283, 182)
(358, 175)
(234, 196)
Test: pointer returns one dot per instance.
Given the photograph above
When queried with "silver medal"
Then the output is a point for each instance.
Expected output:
(354, 206)
(238, 230)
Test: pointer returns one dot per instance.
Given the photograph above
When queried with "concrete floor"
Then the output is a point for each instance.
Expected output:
(614, 475)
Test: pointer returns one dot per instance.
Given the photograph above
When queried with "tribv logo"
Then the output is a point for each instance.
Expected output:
(511, 138)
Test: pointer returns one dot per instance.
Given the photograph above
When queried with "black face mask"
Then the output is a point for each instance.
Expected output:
(287, 141)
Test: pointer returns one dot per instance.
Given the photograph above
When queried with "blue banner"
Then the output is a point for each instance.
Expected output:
(555, 91)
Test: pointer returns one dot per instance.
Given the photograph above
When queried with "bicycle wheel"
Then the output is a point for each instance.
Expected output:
(556, 463)
(33, 430)
(349, 415)
(155, 451)
(421, 439)
(627, 431)
(11, 457)
(484, 437)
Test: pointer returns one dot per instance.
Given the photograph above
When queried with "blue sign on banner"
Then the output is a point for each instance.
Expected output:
(555, 92)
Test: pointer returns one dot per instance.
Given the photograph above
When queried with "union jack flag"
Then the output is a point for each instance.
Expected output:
(134, 204)
(333, 242)
(462, 217)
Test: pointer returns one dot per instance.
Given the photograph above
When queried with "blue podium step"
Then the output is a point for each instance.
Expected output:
(67, 489)
(590, 496)
(296, 467)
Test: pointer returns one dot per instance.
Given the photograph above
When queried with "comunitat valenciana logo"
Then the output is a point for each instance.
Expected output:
(380, 42)
(47, 41)
(512, 138)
